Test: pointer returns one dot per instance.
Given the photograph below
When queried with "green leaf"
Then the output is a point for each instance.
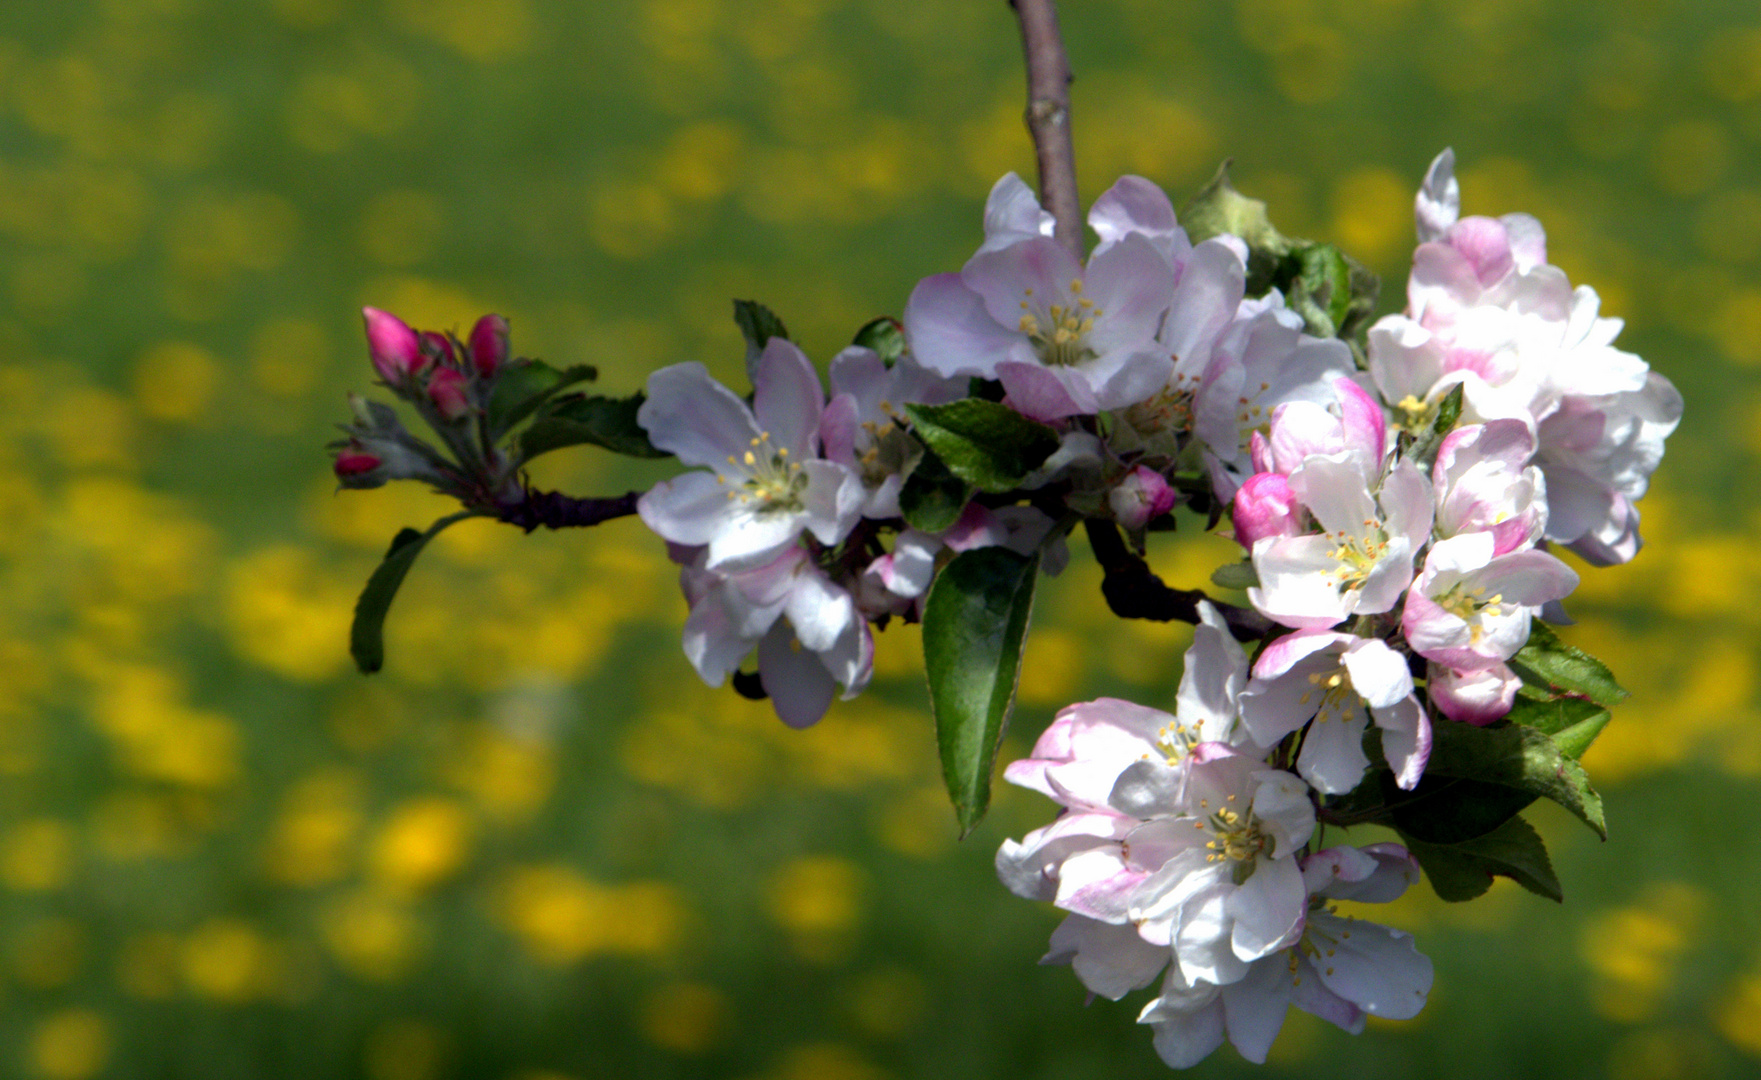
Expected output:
(932, 498)
(1574, 740)
(1463, 871)
(1552, 716)
(987, 444)
(758, 324)
(1218, 208)
(1320, 291)
(601, 421)
(1514, 756)
(1235, 575)
(974, 625)
(1448, 412)
(367, 634)
(1428, 439)
(884, 335)
(524, 385)
(1545, 661)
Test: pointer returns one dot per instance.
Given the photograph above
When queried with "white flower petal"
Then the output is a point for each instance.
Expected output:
(800, 688)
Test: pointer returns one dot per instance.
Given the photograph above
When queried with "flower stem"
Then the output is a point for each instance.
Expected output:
(1133, 590)
(554, 510)
(1048, 116)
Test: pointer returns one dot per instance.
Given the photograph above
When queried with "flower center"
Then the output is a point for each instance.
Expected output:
(1468, 605)
(1059, 333)
(1177, 740)
(1251, 416)
(773, 482)
(883, 448)
(1357, 556)
(1338, 697)
(1415, 415)
(1235, 838)
(1169, 409)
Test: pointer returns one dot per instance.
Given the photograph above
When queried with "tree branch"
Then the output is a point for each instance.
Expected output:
(1048, 116)
(1133, 591)
(554, 510)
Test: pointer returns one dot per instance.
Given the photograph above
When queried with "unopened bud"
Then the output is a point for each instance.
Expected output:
(1474, 697)
(1265, 506)
(353, 463)
(489, 345)
(1140, 497)
(438, 346)
(449, 391)
(395, 348)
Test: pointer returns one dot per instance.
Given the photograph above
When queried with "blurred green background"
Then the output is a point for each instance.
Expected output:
(536, 847)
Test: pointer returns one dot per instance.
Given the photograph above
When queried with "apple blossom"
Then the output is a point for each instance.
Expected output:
(806, 628)
(1341, 969)
(768, 482)
(1482, 484)
(1336, 684)
(1470, 607)
(861, 426)
(1361, 562)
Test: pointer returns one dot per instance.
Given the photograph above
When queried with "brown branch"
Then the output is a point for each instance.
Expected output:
(1133, 591)
(1048, 116)
(554, 510)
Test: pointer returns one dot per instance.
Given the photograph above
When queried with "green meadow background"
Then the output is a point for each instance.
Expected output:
(535, 847)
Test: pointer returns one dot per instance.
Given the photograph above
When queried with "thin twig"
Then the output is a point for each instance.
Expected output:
(1048, 116)
(1133, 591)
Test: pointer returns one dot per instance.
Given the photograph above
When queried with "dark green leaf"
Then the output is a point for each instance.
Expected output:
(522, 386)
(884, 335)
(1235, 575)
(932, 497)
(987, 389)
(1514, 756)
(1463, 871)
(758, 324)
(974, 625)
(601, 421)
(984, 443)
(367, 634)
(1448, 810)
(1565, 671)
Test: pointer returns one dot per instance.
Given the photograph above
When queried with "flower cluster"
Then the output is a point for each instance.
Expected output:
(1182, 848)
(1398, 491)
(1397, 523)
(779, 535)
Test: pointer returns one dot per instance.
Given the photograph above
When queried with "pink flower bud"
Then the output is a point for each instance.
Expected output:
(489, 345)
(1140, 497)
(353, 463)
(1473, 697)
(1264, 506)
(438, 346)
(447, 389)
(395, 348)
